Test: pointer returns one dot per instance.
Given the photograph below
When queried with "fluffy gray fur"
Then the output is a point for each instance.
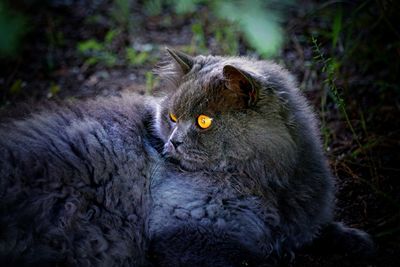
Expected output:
(74, 185)
(114, 182)
(257, 181)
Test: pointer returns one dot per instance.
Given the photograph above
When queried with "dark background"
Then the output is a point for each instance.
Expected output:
(344, 54)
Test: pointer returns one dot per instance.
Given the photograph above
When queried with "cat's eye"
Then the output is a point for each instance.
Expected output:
(173, 117)
(204, 121)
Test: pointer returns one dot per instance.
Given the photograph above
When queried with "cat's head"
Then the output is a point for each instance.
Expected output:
(224, 112)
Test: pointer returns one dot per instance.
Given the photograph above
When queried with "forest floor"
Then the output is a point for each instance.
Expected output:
(79, 49)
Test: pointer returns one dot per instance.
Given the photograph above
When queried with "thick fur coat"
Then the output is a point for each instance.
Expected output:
(74, 183)
(116, 182)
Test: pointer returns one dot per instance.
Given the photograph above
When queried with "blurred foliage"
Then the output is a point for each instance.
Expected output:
(103, 52)
(256, 20)
(227, 37)
(259, 24)
(152, 7)
(253, 21)
(199, 38)
(13, 26)
(121, 14)
(366, 35)
(150, 82)
(356, 58)
(96, 52)
(116, 48)
(330, 67)
(136, 58)
(53, 90)
(16, 87)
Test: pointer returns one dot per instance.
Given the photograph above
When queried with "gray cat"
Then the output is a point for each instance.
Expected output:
(226, 170)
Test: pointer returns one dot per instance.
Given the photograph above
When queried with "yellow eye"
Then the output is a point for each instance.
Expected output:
(204, 121)
(173, 117)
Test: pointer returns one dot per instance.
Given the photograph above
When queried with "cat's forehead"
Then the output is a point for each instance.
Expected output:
(197, 94)
(202, 90)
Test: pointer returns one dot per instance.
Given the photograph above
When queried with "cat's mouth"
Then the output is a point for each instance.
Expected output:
(185, 164)
(188, 162)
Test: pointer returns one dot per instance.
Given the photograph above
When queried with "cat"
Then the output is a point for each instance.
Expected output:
(258, 176)
(225, 170)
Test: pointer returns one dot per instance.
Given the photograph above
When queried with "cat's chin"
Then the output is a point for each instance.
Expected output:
(190, 166)
(186, 165)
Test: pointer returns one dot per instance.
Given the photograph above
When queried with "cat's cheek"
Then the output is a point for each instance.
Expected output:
(169, 149)
(162, 128)
(164, 131)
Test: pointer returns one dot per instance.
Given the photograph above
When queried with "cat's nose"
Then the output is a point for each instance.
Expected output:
(176, 143)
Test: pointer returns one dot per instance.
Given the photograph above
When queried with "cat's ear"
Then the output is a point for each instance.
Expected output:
(242, 83)
(184, 61)
(172, 68)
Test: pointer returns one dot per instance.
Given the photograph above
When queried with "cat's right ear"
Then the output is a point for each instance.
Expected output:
(184, 61)
(242, 84)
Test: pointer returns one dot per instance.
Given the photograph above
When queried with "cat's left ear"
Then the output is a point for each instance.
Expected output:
(242, 83)
(184, 61)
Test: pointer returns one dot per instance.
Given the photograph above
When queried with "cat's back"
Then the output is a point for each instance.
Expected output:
(72, 176)
(95, 132)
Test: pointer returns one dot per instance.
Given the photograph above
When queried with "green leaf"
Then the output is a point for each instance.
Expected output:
(16, 87)
(259, 25)
(153, 7)
(135, 58)
(198, 35)
(110, 36)
(149, 82)
(54, 88)
(130, 55)
(141, 58)
(109, 59)
(120, 12)
(336, 27)
(91, 61)
(13, 27)
(89, 45)
(185, 6)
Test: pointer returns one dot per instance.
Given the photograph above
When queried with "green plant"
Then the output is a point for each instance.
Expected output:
(100, 52)
(259, 25)
(254, 19)
(185, 6)
(16, 87)
(150, 81)
(121, 12)
(136, 58)
(53, 90)
(336, 27)
(330, 67)
(198, 39)
(55, 39)
(153, 7)
(96, 52)
(226, 37)
(13, 26)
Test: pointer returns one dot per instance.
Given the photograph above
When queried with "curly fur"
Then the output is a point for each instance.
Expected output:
(98, 183)
(73, 185)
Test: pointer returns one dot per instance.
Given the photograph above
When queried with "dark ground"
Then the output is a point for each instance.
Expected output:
(360, 65)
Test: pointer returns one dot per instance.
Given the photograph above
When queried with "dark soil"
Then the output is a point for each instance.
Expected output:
(365, 161)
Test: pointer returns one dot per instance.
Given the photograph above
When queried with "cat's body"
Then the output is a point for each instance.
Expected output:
(84, 185)
(74, 183)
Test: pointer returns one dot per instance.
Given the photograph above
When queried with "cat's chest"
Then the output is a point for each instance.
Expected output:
(199, 199)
